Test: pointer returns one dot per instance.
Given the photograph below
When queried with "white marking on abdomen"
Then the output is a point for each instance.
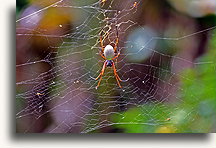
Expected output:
(109, 52)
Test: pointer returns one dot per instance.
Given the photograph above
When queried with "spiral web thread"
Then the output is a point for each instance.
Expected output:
(67, 89)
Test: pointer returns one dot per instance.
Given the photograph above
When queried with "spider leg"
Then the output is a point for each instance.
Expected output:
(102, 56)
(116, 75)
(101, 74)
(116, 56)
(102, 47)
(101, 43)
(117, 40)
(119, 78)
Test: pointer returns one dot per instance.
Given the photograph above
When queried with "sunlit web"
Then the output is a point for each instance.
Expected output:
(62, 97)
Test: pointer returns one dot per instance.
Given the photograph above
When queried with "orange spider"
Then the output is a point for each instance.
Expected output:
(109, 54)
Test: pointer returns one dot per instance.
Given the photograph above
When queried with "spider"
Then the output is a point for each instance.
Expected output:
(109, 54)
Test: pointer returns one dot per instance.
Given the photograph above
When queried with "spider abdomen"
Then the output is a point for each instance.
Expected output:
(109, 52)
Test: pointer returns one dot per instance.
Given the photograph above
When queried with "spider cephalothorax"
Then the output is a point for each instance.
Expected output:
(109, 54)
(109, 63)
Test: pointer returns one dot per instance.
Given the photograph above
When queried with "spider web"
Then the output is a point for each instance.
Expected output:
(62, 97)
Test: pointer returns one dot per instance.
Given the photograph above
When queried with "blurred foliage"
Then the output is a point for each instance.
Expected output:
(194, 113)
(199, 8)
(209, 20)
(20, 4)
